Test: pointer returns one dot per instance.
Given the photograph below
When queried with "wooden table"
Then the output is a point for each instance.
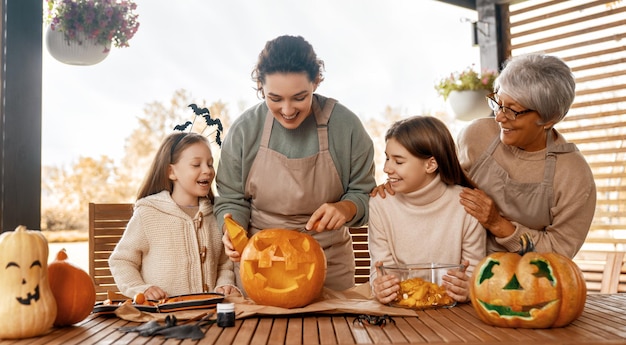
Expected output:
(603, 321)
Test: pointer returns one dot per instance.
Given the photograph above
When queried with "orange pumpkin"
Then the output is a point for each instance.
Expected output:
(528, 290)
(27, 305)
(283, 268)
(73, 290)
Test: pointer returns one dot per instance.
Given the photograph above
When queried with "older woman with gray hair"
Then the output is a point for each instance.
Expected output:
(529, 178)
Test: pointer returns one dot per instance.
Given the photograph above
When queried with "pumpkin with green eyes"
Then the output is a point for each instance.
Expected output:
(527, 290)
(27, 305)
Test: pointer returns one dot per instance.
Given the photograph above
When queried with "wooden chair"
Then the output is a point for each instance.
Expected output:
(604, 271)
(107, 223)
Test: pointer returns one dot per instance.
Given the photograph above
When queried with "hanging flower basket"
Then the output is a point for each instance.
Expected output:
(469, 104)
(81, 50)
(81, 32)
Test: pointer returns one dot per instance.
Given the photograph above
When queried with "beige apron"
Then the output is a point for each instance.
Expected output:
(285, 192)
(529, 204)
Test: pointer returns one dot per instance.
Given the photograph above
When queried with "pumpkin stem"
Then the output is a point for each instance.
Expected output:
(62, 255)
(527, 244)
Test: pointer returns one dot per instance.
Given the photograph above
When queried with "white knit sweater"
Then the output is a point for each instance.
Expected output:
(161, 246)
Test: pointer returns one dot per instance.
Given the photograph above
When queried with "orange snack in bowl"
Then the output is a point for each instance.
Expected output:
(418, 293)
(237, 234)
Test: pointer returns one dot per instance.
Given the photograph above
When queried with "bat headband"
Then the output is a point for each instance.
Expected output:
(206, 115)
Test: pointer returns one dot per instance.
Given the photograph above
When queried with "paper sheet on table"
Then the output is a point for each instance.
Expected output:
(353, 301)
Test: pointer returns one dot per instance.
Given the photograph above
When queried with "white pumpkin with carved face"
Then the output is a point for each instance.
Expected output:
(27, 305)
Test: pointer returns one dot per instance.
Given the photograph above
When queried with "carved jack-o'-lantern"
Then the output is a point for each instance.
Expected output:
(528, 290)
(283, 268)
(27, 305)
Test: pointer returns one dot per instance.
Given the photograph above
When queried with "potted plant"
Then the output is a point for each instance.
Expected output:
(465, 92)
(75, 26)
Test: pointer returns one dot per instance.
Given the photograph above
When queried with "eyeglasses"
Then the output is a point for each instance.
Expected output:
(508, 112)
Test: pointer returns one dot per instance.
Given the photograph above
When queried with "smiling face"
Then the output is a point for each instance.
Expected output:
(26, 276)
(407, 173)
(523, 132)
(289, 97)
(192, 175)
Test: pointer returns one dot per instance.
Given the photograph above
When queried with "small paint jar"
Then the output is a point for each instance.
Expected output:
(226, 314)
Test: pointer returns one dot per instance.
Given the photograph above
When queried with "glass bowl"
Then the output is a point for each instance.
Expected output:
(421, 286)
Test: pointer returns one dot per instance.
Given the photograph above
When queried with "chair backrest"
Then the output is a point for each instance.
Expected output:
(107, 223)
(604, 271)
(361, 254)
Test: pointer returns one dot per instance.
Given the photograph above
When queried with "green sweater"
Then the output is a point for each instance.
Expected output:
(350, 146)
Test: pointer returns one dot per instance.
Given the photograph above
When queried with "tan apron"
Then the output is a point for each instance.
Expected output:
(529, 204)
(285, 192)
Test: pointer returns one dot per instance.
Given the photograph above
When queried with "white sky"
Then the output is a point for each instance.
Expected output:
(377, 53)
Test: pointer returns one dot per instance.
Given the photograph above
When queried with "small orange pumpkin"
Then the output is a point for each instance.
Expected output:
(73, 290)
(528, 290)
(27, 305)
(283, 268)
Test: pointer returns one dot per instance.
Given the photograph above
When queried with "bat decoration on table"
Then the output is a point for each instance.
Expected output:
(206, 114)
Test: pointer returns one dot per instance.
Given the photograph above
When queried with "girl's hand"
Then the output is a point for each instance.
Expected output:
(382, 190)
(456, 283)
(229, 249)
(385, 287)
(155, 293)
(228, 290)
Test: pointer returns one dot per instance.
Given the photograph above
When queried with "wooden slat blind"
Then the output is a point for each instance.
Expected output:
(590, 36)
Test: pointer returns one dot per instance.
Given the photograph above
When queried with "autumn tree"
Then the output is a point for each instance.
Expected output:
(66, 193)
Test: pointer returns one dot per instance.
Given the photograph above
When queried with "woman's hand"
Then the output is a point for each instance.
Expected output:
(456, 283)
(382, 190)
(229, 249)
(478, 204)
(154, 293)
(385, 287)
(331, 216)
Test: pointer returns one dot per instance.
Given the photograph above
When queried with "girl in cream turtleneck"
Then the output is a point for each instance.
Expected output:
(423, 220)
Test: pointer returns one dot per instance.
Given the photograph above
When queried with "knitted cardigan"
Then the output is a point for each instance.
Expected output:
(162, 247)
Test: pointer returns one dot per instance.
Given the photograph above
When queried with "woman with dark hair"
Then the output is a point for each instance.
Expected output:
(423, 221)
(529, 178)
(297, 160)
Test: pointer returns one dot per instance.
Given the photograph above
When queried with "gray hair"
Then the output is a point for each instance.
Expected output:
(540, 82)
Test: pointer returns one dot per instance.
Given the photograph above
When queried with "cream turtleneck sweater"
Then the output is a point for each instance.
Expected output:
(428, 225)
